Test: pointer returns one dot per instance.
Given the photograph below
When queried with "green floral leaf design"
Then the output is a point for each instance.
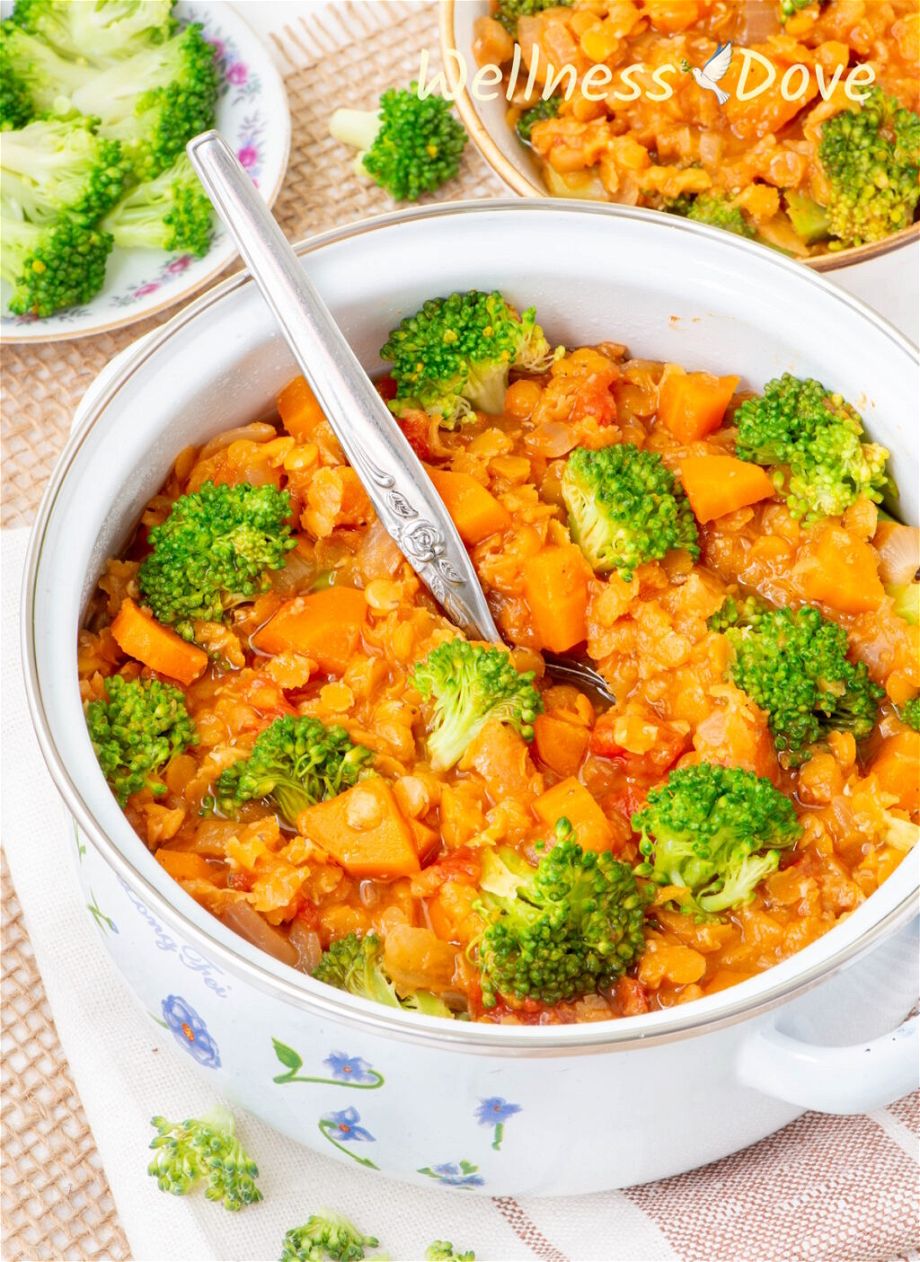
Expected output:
(288, 1057)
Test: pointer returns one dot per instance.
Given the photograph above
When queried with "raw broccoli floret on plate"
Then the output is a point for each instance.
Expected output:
(625, 508)
(714, 832)
(50, 266)
(52, 167)
(454, 355)
(97, 32)
(411, 145)
(170, 212)
(141, 725)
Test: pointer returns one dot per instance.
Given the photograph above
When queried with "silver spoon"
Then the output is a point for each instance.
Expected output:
(393, 476)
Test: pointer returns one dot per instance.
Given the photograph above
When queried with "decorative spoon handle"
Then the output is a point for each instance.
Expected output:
(399, 488)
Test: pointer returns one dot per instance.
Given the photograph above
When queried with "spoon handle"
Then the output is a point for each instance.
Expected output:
(393, 476)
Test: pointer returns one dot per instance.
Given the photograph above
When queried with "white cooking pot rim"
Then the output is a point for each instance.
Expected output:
(747, 999)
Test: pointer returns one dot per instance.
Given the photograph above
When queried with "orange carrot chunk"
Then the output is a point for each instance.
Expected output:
(842, 572)
(896, 765)
(475, 511)
(158, 647)
(717, 485)
(556, 589)
(299, 411)
(183, 865)
(325, 626)
(569, 799)
(559, 745)
(692, 404)
(364, 830)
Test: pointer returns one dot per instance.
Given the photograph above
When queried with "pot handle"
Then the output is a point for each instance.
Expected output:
(854, 1079)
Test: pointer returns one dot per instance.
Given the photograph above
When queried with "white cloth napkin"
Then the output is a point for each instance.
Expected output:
(125, 1072)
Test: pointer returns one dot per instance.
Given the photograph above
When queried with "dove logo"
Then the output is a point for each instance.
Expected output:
(714, 70)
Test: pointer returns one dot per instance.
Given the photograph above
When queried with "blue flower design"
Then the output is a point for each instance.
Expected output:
(454, 1175)
(495, 1112)
(190, 1031)
(346, 1126)
(349, 1068)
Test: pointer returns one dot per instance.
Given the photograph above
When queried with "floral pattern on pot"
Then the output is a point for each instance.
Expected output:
(190, 1031)
(346, 1071)
(455, 1174)
(495, 1111)
(343, 1127)
(105, 923)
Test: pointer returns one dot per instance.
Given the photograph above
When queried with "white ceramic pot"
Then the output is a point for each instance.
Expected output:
(503, 1109)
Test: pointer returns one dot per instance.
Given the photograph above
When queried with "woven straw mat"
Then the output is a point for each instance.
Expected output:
(55, 1199)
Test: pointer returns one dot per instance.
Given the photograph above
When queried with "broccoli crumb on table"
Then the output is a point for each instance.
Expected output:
(433, 824)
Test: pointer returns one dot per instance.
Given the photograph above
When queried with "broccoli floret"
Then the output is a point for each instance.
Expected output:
(326, 1236)
(155, 101)
(97, 32)
(871, 160)
(455, 354)
(443, 1251)
(355, 964)
(470, 684)
(812, 438)
(296, 762)
(48, 79)
(718, 212)
(410, 146)
(204, 1148)
(625, 508)
(794, 665)
(171, 212)
(546, 107)
(15, 99)
(788, 8)
(54, 167)
(509, 11)
(715, 832)
(136, 731)
(560, 930)
(213, 551)
(50, 266)
(909, 713)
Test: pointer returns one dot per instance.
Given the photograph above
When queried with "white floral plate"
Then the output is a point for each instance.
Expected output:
(252, 113)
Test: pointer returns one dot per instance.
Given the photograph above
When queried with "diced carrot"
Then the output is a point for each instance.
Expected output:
(475, 511)
(364, 830)
(896, 766)
(560, 745)
(426, 839)
(417, 959)
(569, 799)
(717, 485)
(158, 647)
(325, 626)
(183, 865)
(299, 411)
(841, 571)
(692, 404)
(556, 589)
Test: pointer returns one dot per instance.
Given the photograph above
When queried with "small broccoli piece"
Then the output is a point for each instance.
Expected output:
(48, 79)
(469, 685)
(454, 355)
(794, 666)
(871, 160)
(53, 167)
(326, 1235)
(15, 99)
(296, 762)
(171, 212)
(718, 212)
(809, 220)
(625, 508)
(909, 713)
(50, 266)
(97, 32)
(154, 101)
(355, 964)
(715, 832)
(546, 107)
(213, 551)
(508, 12)
(560, 930)
(136, 731)
(443, 1251)
(410, 146)
(812, 439)
(204, 1148)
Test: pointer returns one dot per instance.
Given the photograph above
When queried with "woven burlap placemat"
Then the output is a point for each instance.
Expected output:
(55, 1199)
